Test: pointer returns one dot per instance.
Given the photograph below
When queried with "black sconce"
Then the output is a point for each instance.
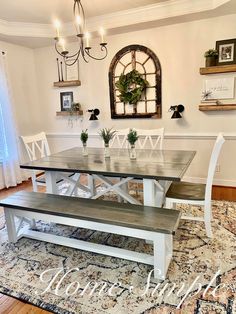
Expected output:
(94, 114)
(177, 111)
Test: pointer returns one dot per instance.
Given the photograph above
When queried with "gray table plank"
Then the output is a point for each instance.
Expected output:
(150, 164)
(114, 213)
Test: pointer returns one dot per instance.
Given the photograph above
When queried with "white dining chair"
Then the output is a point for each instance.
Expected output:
(197, 194)
(120, 139)
(150, 138)
(37, 147)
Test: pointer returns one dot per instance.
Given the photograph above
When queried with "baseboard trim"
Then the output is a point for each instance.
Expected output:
(194, 136)
(216, 182)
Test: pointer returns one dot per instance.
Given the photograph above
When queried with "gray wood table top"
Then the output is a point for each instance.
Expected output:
(120, 214)
(150, 164)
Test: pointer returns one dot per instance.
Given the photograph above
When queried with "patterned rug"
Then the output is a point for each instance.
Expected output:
(94, 283)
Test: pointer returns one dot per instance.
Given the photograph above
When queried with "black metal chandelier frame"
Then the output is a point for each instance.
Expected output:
(78, 11)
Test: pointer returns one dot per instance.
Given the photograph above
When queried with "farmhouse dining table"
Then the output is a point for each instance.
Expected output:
(156, 168)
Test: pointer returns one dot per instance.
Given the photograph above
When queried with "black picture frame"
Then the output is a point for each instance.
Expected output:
(66, 100)
(227, 51)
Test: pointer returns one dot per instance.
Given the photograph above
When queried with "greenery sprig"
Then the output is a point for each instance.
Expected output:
(107, 134)
(131, 86)
(84, 136)
(132, 136)
(211, 53)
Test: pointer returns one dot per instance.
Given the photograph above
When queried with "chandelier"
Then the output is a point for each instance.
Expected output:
(83, 38)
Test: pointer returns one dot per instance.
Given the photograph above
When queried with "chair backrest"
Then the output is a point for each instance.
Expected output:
(36, 145)
(212, 165)
(120, 139)
(150, 138)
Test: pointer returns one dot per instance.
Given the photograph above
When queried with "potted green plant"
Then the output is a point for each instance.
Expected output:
(211, 56)
(132, 138)
(84, 139)
(107, 135)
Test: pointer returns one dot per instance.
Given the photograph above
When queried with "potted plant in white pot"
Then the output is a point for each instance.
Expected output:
(107, 135)
(211, 56)
(84, 139)
(132, 138)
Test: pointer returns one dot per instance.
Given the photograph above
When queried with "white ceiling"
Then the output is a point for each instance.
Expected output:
(29, 22)
(43, 11)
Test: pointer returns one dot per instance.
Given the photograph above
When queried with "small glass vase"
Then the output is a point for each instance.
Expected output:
(133, 154)
(84, 149)
(106, 151)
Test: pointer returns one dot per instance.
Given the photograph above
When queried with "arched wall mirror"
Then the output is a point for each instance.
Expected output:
(147, 66)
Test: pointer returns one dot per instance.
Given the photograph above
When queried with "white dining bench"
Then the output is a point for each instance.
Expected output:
(153, 224)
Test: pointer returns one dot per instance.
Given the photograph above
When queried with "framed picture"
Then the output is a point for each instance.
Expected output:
(222, 88)
(66, 100)
(227, 51)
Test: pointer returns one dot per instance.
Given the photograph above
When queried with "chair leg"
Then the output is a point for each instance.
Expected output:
(168, 204)
(207, 220)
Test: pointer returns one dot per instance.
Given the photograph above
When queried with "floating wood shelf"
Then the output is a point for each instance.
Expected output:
(218, 69)
(67, 83)
(224, 107)
(67, 113)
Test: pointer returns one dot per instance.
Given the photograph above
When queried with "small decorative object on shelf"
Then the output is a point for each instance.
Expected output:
(94, 114)
(132, 138)
(75, 108)
(206, 95)
(107, 135)
(62, 76)
(58, 71)
(226, 49)
(84, 139)
(211, 56)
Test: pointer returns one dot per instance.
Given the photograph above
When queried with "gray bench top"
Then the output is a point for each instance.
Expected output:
(107, 212)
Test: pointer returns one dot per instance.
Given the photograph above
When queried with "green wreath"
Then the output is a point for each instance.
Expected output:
(131, 86)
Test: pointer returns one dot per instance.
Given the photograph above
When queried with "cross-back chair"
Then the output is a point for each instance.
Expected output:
(197, 194)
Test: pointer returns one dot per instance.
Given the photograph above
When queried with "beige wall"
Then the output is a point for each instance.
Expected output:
(180, 49)
(21, 65)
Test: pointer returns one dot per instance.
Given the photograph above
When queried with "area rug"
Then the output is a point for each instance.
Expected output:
(65, 280)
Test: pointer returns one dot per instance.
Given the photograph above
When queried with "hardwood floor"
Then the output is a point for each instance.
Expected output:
(10, 305)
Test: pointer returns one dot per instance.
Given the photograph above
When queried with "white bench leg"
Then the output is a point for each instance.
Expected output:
(11, 227)
(162, 247)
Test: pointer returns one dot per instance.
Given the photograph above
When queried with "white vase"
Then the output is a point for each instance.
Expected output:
(85, 150)
(106, 151)
(133, 154)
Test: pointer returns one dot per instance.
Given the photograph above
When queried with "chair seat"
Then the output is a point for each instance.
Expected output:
(42, 178)
(187, 191)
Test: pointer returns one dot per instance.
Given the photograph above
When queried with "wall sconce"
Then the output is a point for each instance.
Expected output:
(178, 109)
(94, 114)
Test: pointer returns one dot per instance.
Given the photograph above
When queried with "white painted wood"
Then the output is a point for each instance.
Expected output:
(51, 185)
(11, 227)
(91, 247)
(160, 260)
(115, 187)
(206, 203)
(149, 192)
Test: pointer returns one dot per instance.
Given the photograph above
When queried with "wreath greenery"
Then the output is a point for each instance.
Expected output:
(131, 86)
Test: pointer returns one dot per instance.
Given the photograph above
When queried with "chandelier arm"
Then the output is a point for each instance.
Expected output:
(67, 60)
(103, 48)
(62, 55)
(83, 55)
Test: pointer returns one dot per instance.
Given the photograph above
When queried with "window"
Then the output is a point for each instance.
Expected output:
(3, 144)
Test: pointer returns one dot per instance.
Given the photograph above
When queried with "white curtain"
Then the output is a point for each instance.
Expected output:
(9, 158)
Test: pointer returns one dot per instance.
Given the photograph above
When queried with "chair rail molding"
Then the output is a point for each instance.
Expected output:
(194, 136)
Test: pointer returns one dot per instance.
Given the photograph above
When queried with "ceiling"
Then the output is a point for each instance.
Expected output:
(29, 22)
(44, 11)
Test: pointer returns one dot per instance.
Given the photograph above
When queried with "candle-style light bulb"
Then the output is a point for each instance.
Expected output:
(63, 44)
(102, 33)
(57, 25)
(87, 36)
(78, 20)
